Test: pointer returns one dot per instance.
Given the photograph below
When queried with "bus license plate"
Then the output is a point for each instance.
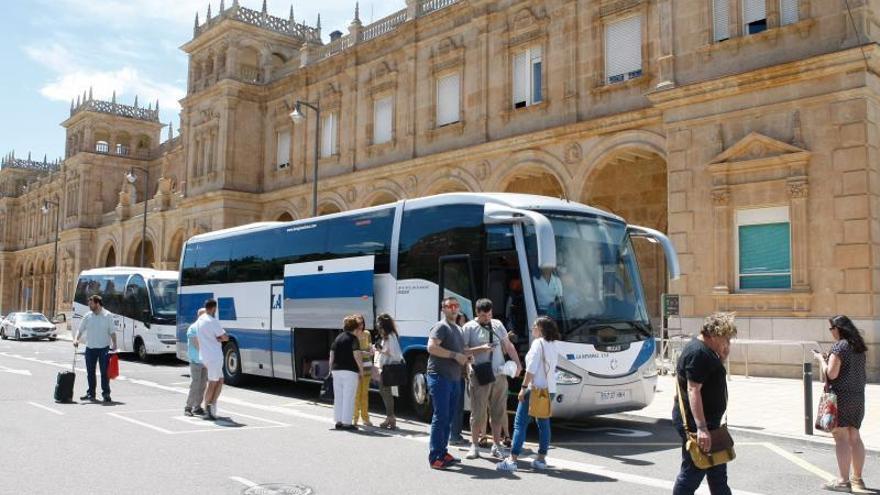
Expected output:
(613, 396)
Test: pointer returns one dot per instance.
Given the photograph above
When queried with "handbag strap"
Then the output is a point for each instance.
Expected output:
(546, 365)
(681, 409)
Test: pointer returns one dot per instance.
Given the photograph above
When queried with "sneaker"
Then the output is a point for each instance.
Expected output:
(107, 399)
(187, 412)
(508, 465)
(338, 426)
(198, 411)
(209, 413)
(539, 465)
(473, 452)
(449, 459)
(837, 486)
(497, 452)
(858, 485)
(88, 397)
(439, 464)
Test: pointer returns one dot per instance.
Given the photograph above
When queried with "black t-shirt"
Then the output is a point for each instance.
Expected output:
(698, 363)
(343, 352)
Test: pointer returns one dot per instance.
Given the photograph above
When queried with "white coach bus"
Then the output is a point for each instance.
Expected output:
(143, 303)
(283, 288)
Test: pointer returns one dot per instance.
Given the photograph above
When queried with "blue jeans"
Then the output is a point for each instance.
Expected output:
(521, 424)
(690, 477)
(101, 358)
(444, 397)
(457, 415)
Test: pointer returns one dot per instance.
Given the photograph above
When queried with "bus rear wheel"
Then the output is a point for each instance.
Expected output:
(232, 374)
(418, 389)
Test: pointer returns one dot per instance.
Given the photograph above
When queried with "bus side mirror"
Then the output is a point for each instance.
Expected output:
(668, 249)
(545, 239)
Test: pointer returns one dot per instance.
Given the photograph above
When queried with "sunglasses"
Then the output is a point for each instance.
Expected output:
(452, 306)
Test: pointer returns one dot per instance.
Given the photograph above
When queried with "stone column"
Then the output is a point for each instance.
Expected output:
(798, 190)
(666, 57)
(721, 217)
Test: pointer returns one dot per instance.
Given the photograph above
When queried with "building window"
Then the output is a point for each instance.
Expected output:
(383, 111)
(623, 50)
(721, 19)
(788, 11)
(527, 77)
(102, 147)
(448, 99)
(122, 150)
(282, 150)
(764, 249)
(754, 16)
(329, 128)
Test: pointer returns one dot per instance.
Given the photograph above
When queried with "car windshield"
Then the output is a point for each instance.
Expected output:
(163, 293)
(595, 292)
(32, 318)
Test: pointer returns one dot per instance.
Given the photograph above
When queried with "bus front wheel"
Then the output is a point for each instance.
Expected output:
(418, 389)
(232, 374)
(140, 348)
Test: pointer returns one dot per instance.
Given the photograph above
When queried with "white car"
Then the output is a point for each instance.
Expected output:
(27, 326)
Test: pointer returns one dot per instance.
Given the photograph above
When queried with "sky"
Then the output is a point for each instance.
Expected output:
(57, 49)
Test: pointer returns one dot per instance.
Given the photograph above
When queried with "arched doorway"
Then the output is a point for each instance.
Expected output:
(327, 209)
(135, 254)
(446, 186)
(284, 217)
(381, 199)
(534, 182)
(109, 257)
(631, 182)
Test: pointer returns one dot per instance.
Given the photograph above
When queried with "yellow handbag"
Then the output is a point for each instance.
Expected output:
(721, 450)
(539, 398)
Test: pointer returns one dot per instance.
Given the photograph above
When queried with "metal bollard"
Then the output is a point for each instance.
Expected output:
(808, 398)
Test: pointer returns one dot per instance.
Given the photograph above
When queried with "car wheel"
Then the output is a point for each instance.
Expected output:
(17, 334)
(418, 389)
(141, 349)
(3, 334)
(232, 374)
(52, 339)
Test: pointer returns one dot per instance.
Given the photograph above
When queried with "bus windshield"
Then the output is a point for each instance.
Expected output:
(594, 293)
(163, 293)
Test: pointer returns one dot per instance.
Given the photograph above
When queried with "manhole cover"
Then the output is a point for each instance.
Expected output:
(278, 489)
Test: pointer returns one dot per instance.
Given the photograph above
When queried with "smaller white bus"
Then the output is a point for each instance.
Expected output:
(143, 303)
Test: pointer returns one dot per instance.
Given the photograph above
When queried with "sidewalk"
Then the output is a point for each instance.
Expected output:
(771, 406)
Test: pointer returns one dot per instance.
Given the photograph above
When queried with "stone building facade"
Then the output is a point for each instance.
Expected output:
(745, 129)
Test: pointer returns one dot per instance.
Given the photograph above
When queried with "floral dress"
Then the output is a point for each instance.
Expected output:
(849, 385)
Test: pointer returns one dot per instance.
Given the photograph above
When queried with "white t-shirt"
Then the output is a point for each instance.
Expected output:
(539, 351)
(210, 349)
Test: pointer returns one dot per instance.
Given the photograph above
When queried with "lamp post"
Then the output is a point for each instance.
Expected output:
(132, 178)
(45, 210)
(296, 116)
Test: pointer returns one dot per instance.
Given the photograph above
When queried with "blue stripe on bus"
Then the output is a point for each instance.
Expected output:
(320, 286)
(226, 308)
(644, 355)
(413, 343)
(188, 306)
(249, 338)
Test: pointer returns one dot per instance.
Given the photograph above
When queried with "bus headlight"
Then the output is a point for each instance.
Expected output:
(565, 378)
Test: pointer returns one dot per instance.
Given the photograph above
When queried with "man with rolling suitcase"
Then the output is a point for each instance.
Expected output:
(100, 338)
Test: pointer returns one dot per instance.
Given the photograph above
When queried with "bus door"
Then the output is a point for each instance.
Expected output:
(280, 337)
(457, 280)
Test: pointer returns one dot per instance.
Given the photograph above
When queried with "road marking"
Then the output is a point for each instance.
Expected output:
(611, 430)
(141, 423)
(4, 369)
(245, 482)
(799, 461)
(54, 411)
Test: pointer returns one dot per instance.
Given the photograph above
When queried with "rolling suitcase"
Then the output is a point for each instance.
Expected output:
(64, 383)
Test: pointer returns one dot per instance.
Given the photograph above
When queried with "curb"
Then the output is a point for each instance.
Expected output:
(814, 440)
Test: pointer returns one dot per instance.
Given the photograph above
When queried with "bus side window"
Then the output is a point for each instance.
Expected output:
(136, 299)
(429, 233)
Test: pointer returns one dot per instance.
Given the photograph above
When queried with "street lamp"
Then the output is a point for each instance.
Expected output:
(132, 178)
(297, 116)
(45, 210)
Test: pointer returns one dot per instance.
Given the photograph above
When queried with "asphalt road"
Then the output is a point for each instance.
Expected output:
(275, 432)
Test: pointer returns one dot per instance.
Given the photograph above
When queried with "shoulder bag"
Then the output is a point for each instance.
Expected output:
(720, 452)
(484, 372)
(826, 418)
(539, 398)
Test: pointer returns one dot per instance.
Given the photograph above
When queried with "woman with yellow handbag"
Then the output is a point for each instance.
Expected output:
(536, 394)
(700, 405)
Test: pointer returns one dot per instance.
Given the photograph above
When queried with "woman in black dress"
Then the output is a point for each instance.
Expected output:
(844, 368)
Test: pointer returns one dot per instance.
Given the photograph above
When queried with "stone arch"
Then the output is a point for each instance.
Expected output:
(285, 216)
(281, 212)
(627, 175)
(134, 252)
(108, 256)
(533, 172)
(174, 248)
(445, 180)
(331, 202)
(380, 196)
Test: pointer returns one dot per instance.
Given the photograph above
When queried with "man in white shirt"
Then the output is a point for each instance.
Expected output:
(209, 339)
(98, 331)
